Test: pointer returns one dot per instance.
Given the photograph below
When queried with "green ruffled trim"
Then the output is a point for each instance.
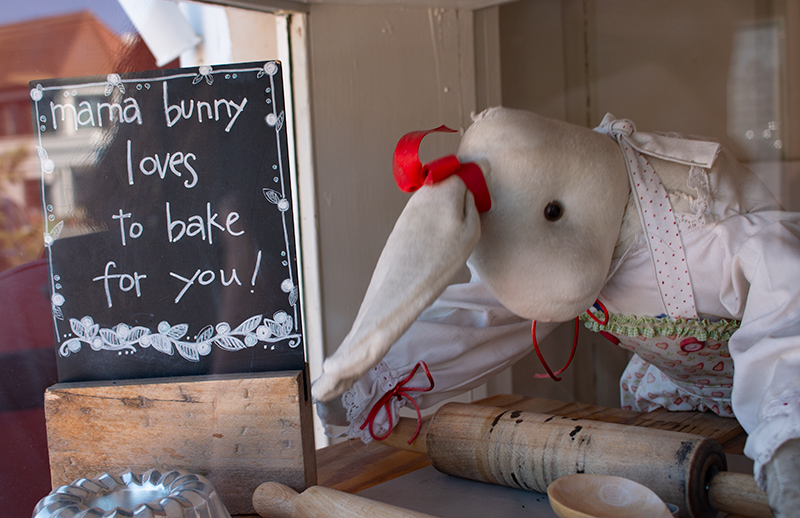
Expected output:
(650, 327)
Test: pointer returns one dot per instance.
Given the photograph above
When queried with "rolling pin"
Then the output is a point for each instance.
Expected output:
(274, 500)
(528, 450)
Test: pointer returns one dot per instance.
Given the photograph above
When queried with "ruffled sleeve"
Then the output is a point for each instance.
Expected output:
(465, 337)
(763, 285)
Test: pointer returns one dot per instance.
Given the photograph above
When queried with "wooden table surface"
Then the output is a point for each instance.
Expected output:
(352, 466)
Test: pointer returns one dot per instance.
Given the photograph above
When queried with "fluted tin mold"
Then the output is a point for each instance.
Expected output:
(134, 494)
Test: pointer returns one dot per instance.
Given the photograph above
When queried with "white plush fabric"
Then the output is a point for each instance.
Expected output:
(417, 263)
(464, 337)
(522, 157)
(743, 257)
(535, 161)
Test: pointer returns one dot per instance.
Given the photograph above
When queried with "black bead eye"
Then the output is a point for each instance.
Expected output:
(553, 211)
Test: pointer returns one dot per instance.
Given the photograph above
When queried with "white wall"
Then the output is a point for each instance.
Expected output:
(376, 73)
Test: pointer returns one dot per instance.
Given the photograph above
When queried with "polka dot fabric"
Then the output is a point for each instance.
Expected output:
(659, 224)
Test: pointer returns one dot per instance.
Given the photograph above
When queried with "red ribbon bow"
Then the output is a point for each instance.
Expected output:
(400, 391)
(410, 174)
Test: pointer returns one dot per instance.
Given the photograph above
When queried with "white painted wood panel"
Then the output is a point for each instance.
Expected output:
(376, 73)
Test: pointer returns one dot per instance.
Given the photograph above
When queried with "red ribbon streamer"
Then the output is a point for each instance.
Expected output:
(410, 174)
(555, 375)
(400, 391)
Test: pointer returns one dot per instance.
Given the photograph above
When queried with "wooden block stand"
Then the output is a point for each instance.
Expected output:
(237, 430)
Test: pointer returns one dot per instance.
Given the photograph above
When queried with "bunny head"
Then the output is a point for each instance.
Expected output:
(559, 192)
(558, 196)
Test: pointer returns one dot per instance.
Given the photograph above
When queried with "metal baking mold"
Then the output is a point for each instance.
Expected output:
(150, 494)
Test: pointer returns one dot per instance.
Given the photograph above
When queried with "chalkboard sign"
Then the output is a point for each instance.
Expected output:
(169, 222)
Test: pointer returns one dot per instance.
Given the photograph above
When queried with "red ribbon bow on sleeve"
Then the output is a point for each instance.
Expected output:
(399, 391)
(410, 174)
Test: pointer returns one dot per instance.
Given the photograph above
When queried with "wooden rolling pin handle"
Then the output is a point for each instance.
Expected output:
(738, 494)
(403, 431)
(458, 442)
(274, 500)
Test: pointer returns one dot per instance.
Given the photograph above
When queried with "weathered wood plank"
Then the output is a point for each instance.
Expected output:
(237, 430)
(352, 466)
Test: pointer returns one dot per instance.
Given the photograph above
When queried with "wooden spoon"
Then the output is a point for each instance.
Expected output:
(604, 496)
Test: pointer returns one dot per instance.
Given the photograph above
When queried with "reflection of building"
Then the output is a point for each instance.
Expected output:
(74, 44)
(61, 46)
(69, 45)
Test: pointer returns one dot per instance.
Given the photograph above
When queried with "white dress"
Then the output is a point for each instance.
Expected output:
(743, 257)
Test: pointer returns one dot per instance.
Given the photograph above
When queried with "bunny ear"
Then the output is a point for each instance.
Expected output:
(431, 241)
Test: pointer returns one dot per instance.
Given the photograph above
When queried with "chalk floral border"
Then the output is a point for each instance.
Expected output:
(169, 339)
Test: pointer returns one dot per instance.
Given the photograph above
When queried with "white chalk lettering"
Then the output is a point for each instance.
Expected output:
(234, 278)
(188, 283)
(207, 106)
(127, 282)
(228, 105)
(150, 165)
(85, 115)
(135, 229)
(115, 107)
(175, 112)
(204, 278)
(197, 225)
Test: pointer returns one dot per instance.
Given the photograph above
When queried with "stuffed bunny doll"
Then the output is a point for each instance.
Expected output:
(692, 263)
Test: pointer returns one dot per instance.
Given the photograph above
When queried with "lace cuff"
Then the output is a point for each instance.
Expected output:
(780, 422)
(362, 396)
